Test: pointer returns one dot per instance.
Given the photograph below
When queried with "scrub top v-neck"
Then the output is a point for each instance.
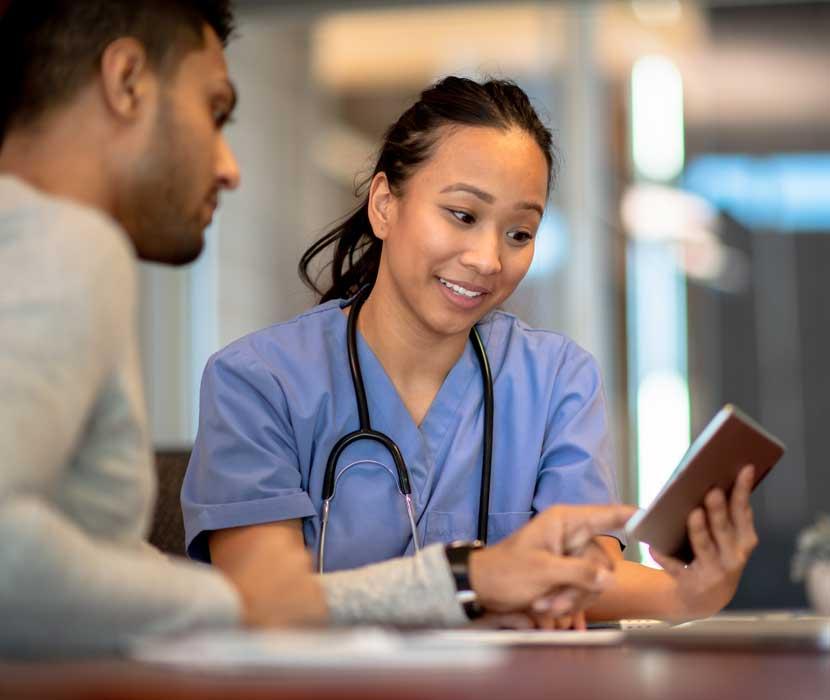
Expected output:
(274, 403)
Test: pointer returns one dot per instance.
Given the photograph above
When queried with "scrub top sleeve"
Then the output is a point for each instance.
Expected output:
(244, 469)
(576, 464)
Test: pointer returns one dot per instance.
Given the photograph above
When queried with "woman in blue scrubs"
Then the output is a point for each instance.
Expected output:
(444, 235)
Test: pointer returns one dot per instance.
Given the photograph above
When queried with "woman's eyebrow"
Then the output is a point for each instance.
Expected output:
(489, 198)
(531, 205)
(472, 189)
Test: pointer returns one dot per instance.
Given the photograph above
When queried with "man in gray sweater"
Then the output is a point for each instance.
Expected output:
(111, 149)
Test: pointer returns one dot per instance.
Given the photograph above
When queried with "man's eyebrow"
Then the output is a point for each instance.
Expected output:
(234, 96)
(489, 198)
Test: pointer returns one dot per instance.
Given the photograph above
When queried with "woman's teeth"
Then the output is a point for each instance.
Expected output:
(459, 289)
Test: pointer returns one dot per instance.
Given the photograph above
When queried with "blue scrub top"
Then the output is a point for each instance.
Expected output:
(274, 403)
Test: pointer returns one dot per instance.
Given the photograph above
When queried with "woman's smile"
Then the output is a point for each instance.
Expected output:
(465, 296)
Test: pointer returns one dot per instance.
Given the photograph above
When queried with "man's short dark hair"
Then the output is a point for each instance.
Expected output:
(50, 49)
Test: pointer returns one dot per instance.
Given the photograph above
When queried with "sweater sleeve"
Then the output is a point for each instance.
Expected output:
(74, 500)
(416, 590)
(64, 592)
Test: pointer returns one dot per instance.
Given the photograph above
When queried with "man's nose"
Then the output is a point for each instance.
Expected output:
(227, 169)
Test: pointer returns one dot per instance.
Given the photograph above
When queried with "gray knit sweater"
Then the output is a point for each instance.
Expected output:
(76, 477)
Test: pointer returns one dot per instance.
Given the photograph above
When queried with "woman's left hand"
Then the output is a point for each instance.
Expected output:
(531, 619)
(576, 621)
(546, 612)
(722, 536)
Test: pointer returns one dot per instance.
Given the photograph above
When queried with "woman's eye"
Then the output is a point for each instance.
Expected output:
(463, 216)
(520, 236)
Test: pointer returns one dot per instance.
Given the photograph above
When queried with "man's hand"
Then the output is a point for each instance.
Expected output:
(542, 562)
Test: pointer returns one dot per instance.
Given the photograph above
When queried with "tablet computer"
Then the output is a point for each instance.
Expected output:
(730, 441)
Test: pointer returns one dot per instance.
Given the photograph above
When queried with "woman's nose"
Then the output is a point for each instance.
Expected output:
(484, 253)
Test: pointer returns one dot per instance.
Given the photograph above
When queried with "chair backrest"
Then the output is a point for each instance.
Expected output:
(167, 532)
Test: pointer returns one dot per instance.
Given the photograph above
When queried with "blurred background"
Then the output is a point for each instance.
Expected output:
(685, 244)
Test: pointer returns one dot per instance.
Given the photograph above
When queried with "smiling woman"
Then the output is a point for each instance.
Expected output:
(444, 235)
(457, 236)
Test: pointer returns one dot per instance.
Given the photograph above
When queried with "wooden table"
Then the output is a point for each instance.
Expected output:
(552, 673)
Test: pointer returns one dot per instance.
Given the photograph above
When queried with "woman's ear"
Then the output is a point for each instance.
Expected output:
(382, 204)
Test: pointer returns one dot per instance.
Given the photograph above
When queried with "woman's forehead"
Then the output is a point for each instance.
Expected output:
(477, 154)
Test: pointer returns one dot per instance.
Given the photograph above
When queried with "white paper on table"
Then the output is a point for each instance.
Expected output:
(364, 647)
(471, 638)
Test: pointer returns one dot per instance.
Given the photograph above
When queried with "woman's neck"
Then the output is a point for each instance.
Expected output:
(415, 358)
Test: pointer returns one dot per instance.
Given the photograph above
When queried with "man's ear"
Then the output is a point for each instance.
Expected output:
(127, 78)
(382, 203)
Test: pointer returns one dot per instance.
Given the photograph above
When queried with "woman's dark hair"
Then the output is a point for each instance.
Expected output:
(499, 104)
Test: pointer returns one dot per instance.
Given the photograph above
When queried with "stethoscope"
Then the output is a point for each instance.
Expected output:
(365, 432)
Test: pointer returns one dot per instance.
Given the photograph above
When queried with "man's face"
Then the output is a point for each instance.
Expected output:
(187, 161)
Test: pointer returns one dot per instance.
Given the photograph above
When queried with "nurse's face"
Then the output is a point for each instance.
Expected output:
(459, 238)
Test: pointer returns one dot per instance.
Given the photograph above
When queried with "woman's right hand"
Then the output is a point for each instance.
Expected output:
(550, 566)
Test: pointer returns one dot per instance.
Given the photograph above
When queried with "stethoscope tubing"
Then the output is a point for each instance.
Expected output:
(365, 432)
(487, 446)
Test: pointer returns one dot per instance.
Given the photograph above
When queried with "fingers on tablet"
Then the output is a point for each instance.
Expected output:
(703, 545)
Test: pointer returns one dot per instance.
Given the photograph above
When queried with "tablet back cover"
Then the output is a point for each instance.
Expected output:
(730, 441)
